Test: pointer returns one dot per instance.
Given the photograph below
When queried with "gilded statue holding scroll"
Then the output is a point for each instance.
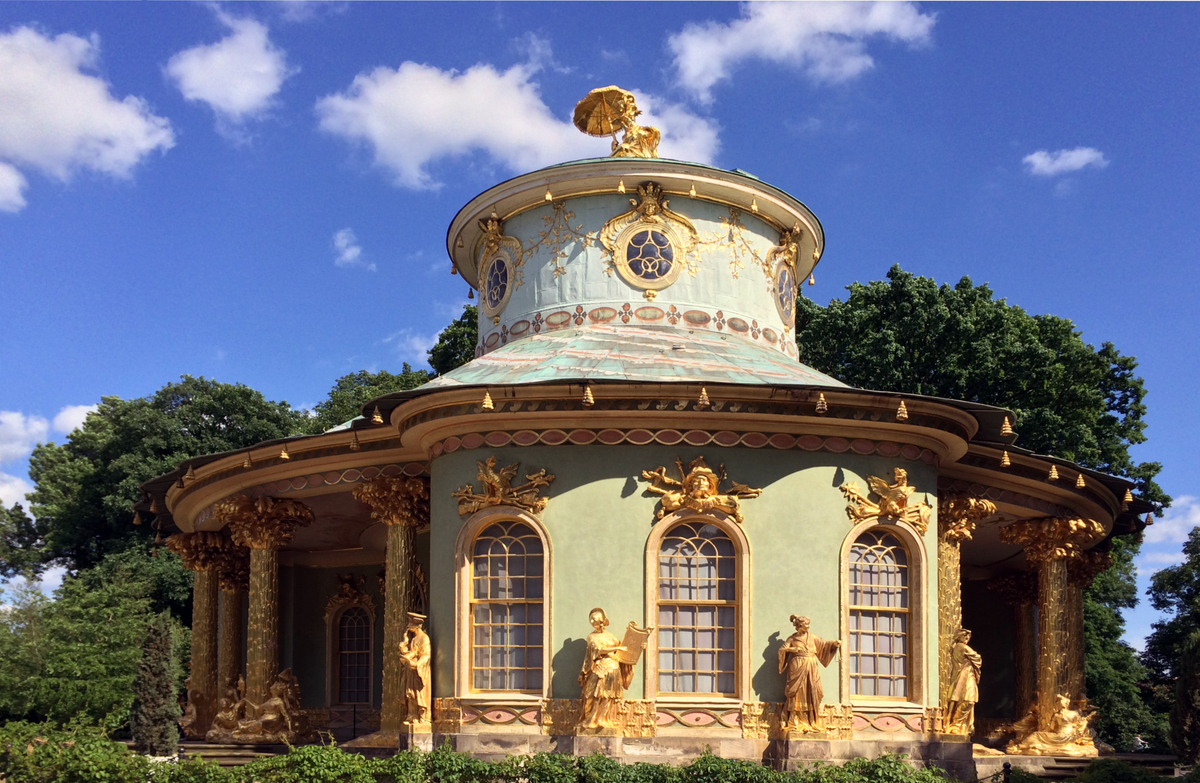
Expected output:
(698, 489)
(415, 654)
(965, 665)
(606, 673)
(798, 659)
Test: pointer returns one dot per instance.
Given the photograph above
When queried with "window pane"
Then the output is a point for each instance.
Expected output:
(878, 594)
(506, 611)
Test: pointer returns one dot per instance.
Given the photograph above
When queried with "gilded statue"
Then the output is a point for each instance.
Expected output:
(798, 659)
(698, 489)
(606, 673)
(499, 491)
(894, 502)
(606, 110)
(1067, 734)
(415, 654)
(195, 702)
(278, 720)
(965, 665)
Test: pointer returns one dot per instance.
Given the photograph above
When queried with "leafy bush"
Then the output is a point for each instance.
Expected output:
(1112, 770)
(77, 753)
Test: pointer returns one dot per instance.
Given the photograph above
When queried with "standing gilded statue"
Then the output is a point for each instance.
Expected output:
(965, 665)
(415, 654)
(607, 671)
(798, 659)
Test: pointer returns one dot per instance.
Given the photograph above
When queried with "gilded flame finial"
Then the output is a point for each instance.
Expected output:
(606, 110)
(893, 502)
(699, 489)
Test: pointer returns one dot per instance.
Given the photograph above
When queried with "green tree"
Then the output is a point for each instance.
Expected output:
(1072, 400)
(351, 392)
(19, 542)
(1175, 591)
(1185, 712)
(155, 706)
(456, 344)
(85, 488)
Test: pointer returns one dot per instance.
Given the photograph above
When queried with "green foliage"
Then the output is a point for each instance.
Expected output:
(351, 392)
(1110, 770)
(910, 335)
(19, 542)
(1017, 775)
(155, 711)
(306, 764)
(85, 488)
(79, 752)
(1185, 712)
(1175, 591)
(456, 344)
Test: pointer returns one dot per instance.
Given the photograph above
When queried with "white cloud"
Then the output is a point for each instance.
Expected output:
(13, 489)
(348, 251)
(410, 347)
(238, 76)
(1159, 559)
(71, 417)
(19, 434)
(826, 41)
(417, 114)
(1176, 523)
(58, 119)
(1049, 164)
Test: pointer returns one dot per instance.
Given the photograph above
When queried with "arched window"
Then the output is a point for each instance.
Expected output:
(697, 610)
(506, 604)
(354, 656)
(879, 621)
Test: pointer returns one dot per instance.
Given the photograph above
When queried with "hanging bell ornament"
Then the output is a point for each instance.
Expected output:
(354, 445)
(822, 406)
(377, 417)
(703, 402)
(902, 412)
(487, 401)
(1004, 460)
(1079, 482)
(1006, 427)
(588, 399)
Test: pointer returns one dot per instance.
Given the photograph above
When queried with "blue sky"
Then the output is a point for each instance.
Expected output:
(259, 193)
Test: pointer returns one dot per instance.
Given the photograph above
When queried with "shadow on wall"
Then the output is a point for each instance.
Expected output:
(567, 663)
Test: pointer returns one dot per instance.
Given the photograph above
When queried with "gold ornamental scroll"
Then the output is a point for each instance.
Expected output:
(202, 554)
(1081, 571)
(1051, 543)
(264, 526)
(956, 515)
(1019, 590)
(403, 505)
(234, 576)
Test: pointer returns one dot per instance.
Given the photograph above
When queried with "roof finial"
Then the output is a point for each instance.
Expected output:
(606, 110)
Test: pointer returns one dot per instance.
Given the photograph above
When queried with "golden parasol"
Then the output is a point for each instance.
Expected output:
(604, 111)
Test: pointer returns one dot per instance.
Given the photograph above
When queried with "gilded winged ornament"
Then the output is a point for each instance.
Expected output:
(499, 491)
(698, 489)
(894, 502)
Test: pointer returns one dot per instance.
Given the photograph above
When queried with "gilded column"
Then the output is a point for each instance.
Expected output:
(957, 515)
(1081, 571)
(1019, 590)
(263, 525)
(403, 505)
(201, 553)
(234, 576)
(1051, 543)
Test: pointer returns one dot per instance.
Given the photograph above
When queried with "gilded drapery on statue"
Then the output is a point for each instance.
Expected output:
(607, 671)
(798, 662)
(1068, 733)
(415, 654)
(965, 665)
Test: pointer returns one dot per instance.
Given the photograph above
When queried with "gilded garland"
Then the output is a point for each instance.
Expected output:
(649, 246)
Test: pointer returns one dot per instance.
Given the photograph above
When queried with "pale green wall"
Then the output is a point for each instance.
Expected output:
(600, 516)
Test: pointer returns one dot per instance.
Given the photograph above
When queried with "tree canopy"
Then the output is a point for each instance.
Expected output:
(1175, 591)
(351, 392)
(456, 344)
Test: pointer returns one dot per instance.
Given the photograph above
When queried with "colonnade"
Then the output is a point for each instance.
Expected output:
(244, 557)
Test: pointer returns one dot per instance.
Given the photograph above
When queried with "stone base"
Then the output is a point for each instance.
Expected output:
(603, 731)
(417, 737)
(378, 739)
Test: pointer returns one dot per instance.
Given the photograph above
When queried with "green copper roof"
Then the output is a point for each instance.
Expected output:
(633, 354)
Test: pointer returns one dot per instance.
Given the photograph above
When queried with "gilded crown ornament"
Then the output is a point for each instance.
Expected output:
(499, 491)
(606, 110)
(698, 489)
(894, 502)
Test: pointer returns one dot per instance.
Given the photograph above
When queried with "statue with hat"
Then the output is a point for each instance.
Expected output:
(698, 489)
(415, 655)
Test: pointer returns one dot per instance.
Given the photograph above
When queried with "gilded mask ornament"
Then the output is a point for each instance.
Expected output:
(606, 110)
(499, 491)
(500, 266)
(698, 489)
(894, 502)
(649, 245)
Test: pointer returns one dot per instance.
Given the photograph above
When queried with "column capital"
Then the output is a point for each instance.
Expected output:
(201, 551)
(265, 523)
(233, 570)
(396, 500)
(1084, 569)
(1052, 538)
(1017, 588)
(958, 513)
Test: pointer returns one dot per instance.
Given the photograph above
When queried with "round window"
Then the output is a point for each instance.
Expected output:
(785, 293)
(496, 284)
(647, 256)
